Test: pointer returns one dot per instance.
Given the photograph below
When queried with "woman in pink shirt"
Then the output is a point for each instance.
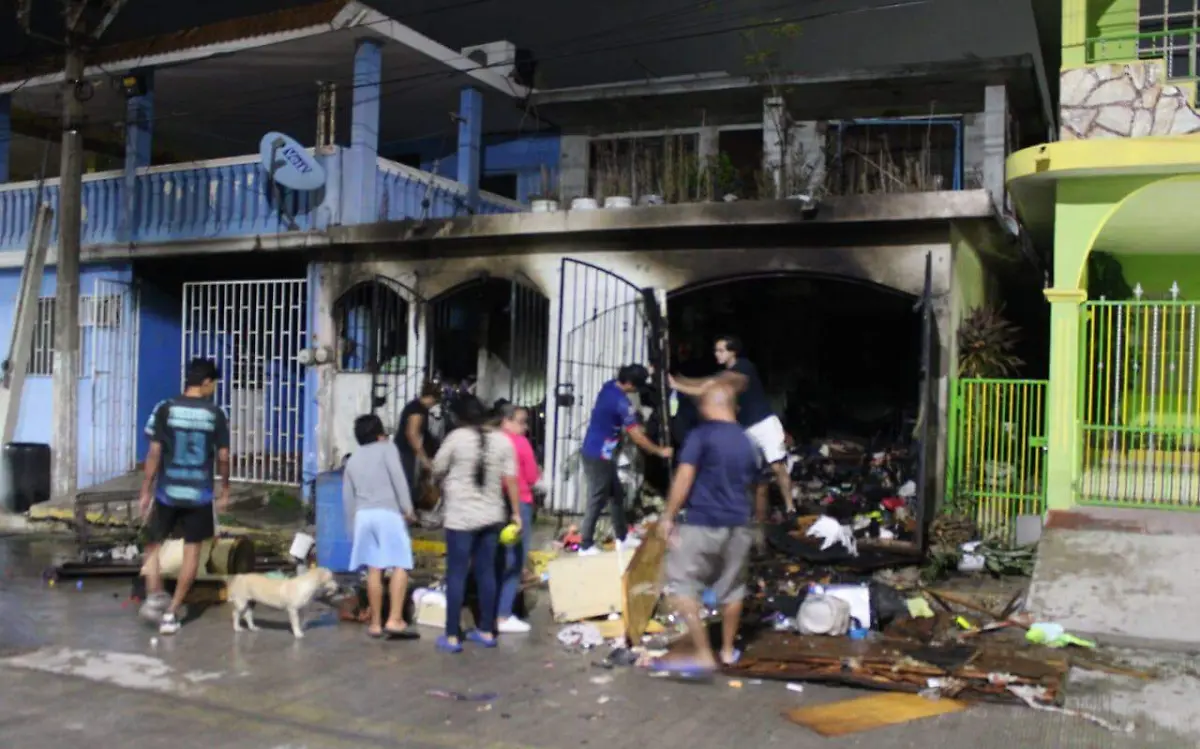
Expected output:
(514, 420)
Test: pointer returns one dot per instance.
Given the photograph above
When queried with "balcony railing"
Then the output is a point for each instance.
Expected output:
(225, 198)
(1177, 48)
(405, 192)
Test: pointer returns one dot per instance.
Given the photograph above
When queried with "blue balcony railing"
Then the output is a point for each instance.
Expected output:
(403, 190)
(225, 198)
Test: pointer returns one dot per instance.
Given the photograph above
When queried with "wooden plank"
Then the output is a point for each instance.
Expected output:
(868, 713)
(641, 585)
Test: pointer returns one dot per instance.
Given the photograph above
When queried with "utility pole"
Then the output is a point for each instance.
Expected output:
(65, 383)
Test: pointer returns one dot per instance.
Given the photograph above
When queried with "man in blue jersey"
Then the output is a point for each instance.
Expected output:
(188, 434)
(612, 416)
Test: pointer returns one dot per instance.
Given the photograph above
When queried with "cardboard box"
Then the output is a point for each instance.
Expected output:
(587, 587)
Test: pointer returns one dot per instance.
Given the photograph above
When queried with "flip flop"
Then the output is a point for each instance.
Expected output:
(737, 656)
(477, 637)
(686, 670)
(445, 646)
(375, 635)
(401, 634)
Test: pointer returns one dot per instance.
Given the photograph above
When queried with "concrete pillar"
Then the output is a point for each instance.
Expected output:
(573, 152)
(361, 200)
(995, 144)
(1062, 397)
(774, 145)
(139, 129)
(972, 145)
(5, 135)
(470, 135)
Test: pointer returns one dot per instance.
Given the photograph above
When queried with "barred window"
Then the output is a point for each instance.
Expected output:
(41, 358)
(1177, 50)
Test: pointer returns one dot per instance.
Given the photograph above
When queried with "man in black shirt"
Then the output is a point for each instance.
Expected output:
(414, 438)
(188, 434)
(754, 414)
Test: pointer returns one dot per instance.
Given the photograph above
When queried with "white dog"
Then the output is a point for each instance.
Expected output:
(290, 594)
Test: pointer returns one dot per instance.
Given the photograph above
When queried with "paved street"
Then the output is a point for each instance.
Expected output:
(75, 665)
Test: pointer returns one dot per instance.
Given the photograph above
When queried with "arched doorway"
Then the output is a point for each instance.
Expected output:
(839, 357)
(490, 336)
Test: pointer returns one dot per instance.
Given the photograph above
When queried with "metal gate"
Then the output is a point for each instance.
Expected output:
(380, 324)
(928, 428)
(602, 325)
(499, 330)
(254, 331)
(995, 460)
(109, 318)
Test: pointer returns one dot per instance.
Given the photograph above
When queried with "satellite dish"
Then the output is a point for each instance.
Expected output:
(288, 163)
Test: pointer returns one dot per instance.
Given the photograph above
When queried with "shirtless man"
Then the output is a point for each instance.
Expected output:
(754, 414)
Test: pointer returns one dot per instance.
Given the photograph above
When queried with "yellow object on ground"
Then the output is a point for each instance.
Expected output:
(869, 713)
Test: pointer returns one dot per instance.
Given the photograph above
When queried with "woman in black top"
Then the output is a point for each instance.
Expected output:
(414, 438)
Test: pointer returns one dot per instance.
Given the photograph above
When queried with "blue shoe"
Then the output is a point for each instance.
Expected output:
(445, 646)
(477, 637)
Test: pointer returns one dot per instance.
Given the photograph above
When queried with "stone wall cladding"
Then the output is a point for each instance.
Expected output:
(1123, 101)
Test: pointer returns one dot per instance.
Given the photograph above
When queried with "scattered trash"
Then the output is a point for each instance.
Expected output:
(919, 608)
(1054, 636)
(735, 684)
(153, 642)
(600, 680)
(461, 697)
(794, 687)
(580, 635)
(1035, 697)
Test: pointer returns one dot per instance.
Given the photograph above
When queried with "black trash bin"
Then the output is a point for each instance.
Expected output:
(27, 478)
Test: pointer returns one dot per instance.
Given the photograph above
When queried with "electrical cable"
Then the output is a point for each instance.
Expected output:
(439, 75)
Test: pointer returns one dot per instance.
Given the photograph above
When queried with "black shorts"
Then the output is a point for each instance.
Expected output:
(194, 524)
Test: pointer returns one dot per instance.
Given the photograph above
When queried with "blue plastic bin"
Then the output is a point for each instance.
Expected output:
(334, 539)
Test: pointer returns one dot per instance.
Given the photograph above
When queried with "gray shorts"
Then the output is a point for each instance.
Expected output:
(710, 558)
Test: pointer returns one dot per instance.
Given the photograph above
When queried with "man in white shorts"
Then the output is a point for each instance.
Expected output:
(754, 414)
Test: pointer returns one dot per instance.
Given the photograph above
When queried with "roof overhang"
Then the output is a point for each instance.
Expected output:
(243, 34)
(1162, 171)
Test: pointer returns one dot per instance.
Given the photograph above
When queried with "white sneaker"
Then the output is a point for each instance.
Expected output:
(629, 544)
(154, 606)
(512, 626)
(591, 551)
(169, 625)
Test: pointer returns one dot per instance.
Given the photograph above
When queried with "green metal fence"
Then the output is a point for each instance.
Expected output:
(1140, 405)
(1177, 48)
(996, 458)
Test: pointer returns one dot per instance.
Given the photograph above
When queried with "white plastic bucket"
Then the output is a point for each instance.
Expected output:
(302, 544)
(544, 206)
(618, 202)
(584, 204)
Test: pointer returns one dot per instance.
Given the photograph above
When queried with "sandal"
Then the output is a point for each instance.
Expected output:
(683, 670)
(401, 634)
(375, 635)
(477, 637)
(737, 656)
(445, 646)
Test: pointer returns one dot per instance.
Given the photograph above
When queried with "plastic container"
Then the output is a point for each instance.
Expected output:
(26, 476)
(334, 539)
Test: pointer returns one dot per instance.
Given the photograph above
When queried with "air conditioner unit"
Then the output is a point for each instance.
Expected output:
(500, 57)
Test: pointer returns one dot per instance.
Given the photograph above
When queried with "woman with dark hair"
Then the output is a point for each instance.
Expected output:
(414, 438)
(514, 422)
(477, 469)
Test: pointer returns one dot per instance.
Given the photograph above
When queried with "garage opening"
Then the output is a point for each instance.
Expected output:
(841, 364)
(490, 337)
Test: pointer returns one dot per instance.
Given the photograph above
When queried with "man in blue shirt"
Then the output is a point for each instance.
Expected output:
(612, 416)
(754, 414)
(188, 434)
(717, 467)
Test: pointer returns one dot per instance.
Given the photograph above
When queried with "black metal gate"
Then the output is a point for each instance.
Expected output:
(928, 427)
(379, 333)
(507, 321)
(603, 323)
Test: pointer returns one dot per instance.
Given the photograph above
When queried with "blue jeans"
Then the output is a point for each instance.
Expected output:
(514, 563)
(466, 550)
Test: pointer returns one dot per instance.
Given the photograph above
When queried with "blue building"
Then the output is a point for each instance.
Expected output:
(440, 243)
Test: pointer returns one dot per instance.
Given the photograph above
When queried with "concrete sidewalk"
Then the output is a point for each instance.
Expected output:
(76, 666)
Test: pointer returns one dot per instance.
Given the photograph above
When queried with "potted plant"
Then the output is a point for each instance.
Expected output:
(986, 342)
